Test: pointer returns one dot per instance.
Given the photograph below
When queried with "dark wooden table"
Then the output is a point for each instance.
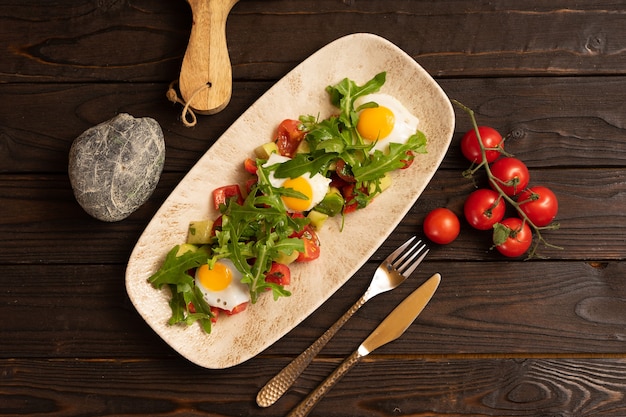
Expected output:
(502, 337)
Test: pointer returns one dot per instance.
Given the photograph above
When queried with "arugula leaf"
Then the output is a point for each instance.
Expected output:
(303, 163)
(380, 163)
(253, 233)
(173, 274)
(343, 95)
(174, 269)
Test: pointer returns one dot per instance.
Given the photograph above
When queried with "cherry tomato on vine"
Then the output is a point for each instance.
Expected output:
(510, 174)
(512, 237)
(470, 146)
(441, 226)
(539, 204)
(484, 208)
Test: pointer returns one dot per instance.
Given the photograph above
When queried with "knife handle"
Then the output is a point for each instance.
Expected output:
(305, 407)
(278, 385)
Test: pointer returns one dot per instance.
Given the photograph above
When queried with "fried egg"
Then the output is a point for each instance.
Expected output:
(221, 286)
(314, 187)
(389, 122)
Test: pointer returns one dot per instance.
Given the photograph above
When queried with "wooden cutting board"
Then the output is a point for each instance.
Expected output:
(206, 74)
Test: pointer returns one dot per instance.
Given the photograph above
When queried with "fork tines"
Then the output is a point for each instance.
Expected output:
(405, 264)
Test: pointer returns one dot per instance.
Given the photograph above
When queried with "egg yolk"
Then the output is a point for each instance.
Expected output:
(301, 185)
(216, 279)
(375, 123)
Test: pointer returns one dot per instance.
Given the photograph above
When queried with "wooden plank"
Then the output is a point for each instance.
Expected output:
(454, 387)
(83, 41)
(40, 121)
(41, 214)
(93, 41)
(481, 308)
(550, 122)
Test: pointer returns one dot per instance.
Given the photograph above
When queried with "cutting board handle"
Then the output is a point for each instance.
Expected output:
(205, 80)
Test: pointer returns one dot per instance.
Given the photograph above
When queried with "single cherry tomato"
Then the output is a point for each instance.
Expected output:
(511, 175)
(539, 204)
(491, 139)
(484, 208)
(441, 226)
(288, 137)
(512, 237)
(278, 274)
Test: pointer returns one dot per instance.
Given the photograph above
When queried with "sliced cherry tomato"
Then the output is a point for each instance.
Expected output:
(491, 139)
(512, 237)
(311, 245)
(337, 182)
(344, 172)
(217, 225)
(222, 194)
(288, 137)
(442, 226)
(279, 274)
(237, 309)
(511, 175)
(539, 204)
(410, 156)
(298, 215)
(349, 196)
(484, 208)
(250, 166)
(214, 311)
(250, 183)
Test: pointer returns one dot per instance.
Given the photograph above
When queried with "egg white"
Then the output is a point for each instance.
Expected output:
(405, 123)
(319, 183)
(236, 293)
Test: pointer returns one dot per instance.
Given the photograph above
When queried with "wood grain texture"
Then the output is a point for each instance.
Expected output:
(457, 387)
(41, 213)
(481, 308)
(549, 122)
(502, 337)
(145, 40)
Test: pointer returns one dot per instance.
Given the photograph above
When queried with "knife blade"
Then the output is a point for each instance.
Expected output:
(396, 323)
(391, 328)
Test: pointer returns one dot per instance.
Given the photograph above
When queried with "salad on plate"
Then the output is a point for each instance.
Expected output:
(309, 171)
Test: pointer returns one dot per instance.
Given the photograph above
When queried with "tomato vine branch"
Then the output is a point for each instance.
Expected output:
(469, 173)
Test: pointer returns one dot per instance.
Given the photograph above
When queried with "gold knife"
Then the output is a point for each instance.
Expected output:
(394, 325)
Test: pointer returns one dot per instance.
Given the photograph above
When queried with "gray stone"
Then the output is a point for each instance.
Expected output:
(115, 166)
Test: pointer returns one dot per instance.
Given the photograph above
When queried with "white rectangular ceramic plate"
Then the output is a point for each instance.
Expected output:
(238, 338)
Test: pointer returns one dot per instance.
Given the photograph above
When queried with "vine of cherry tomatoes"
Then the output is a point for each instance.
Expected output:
(535, 206)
